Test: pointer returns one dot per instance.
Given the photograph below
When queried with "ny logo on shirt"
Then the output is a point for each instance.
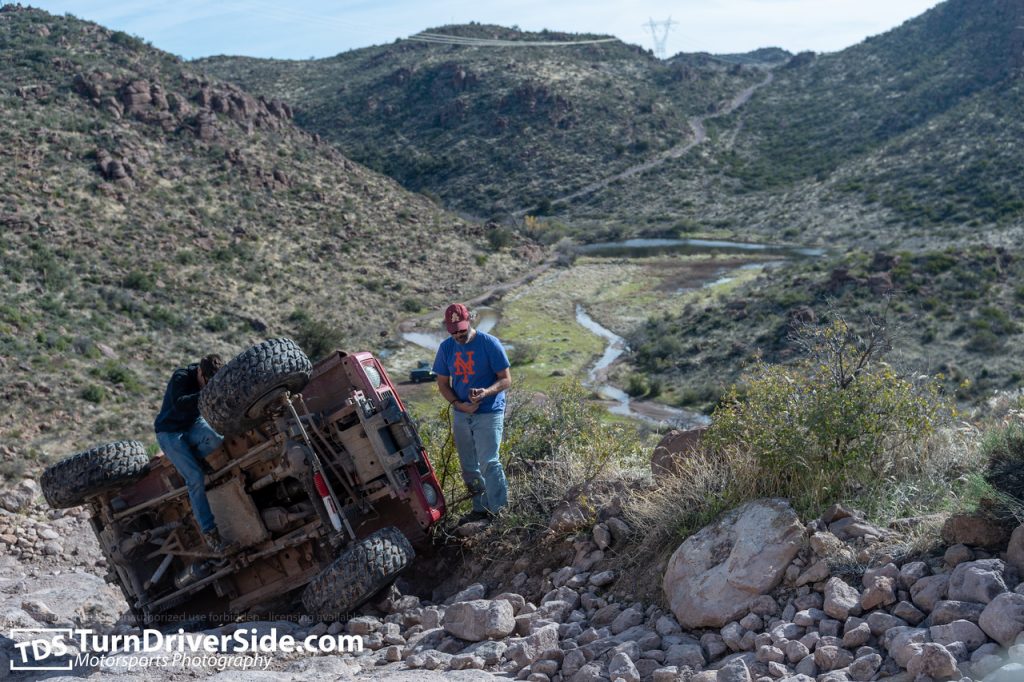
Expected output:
(464, 366)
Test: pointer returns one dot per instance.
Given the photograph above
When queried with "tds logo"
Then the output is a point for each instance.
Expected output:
(464, 365)
(43, 651)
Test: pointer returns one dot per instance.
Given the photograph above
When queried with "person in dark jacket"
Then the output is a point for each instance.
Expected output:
(186, 439)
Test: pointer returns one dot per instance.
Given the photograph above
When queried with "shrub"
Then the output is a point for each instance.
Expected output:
(117, 373)
(499, 238)
(139, 281)
(216, 323)
(522, 353)
(94, 394)
(637, 385)
(317, 337)
(827, 427)
(1003, 447)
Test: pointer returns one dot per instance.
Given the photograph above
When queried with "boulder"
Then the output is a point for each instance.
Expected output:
(903, 643)
(958, 554)
(1011, 672)
(734, 671)
(841, 600)
(912, 572)
(831, 657)
(928, 591)
(567, 517)
(977, 581)
(1015, 550)
(20, 497)
(932, 660)
(880, 592)
(851, 528)
(479, 619)
(946, 612)
(674, 447)
(975, 530)
(715, 576)
(865, 667)
(621, 667)
(529, 649)
(958, 631)
(1003, 618)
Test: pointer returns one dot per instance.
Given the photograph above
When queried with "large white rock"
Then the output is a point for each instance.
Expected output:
(717, 573)
(479, 619)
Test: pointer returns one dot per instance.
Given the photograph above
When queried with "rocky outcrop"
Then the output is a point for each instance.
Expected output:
(197, 106)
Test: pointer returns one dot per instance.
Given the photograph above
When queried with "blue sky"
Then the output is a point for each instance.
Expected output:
(322, 28)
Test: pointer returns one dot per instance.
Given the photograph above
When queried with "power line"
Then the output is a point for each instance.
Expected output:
(442, 39)
(659, 33)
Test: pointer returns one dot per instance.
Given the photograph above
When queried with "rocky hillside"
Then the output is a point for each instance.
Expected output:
(495, 129)
(953, 313)
(152, 214)
(905, 137)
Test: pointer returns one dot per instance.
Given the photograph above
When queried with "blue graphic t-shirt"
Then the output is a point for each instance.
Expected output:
(473, 365)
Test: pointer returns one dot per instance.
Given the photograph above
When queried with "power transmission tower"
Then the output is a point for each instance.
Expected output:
(659, 33)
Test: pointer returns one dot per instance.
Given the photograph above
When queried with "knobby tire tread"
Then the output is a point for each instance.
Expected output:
(72, 480)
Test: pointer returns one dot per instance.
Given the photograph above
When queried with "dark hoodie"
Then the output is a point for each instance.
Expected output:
(180, 408)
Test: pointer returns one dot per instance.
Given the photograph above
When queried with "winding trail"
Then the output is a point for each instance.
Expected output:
(700, 135)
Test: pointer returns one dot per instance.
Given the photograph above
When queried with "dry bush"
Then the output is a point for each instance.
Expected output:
(674, 507)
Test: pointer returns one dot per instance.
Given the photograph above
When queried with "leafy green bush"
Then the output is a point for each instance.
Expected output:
(316, 337)
(522, 353)
(637, 385)
(411, 305)
(139, 280)
(94, 394)
(116, 373)
(499, 238)
(827, 427)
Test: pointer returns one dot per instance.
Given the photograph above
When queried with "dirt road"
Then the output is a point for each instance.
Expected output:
(699, 136)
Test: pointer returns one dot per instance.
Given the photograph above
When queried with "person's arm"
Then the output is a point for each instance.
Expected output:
(448, 393)
(444, 386)
(503, 383)
(180, 384)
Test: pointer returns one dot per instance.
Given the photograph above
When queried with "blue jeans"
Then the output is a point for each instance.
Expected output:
(477, 440)
(185, 449)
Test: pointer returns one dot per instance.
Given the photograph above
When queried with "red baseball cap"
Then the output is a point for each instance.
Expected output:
(456, 318)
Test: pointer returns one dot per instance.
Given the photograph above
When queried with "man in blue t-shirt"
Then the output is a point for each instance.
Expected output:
(473, 374)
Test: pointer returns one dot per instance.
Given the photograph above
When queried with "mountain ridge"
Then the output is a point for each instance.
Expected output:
(153, 214)
(772, 168)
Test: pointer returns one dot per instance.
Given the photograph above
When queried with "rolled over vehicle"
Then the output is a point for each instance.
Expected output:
(322, 481)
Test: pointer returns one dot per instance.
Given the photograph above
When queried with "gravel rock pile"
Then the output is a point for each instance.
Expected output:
(820, 605)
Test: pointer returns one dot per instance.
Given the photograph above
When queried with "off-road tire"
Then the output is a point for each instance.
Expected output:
(71, 481)
(267, 367)
(363, 570)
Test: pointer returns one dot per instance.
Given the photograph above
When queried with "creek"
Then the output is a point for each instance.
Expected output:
(620, 403)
